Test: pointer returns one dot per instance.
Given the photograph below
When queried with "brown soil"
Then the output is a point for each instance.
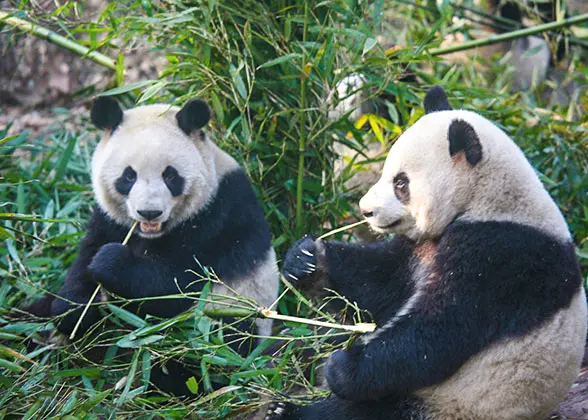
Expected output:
(576, 404)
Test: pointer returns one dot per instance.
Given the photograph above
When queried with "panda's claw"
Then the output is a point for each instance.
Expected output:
(311, 265)
(306, 252)
(275, 411)
(292, 276)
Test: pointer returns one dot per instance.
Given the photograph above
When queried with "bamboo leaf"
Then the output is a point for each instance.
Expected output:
(376, 129)
(127, 316)
(192, 385)
(282, 59)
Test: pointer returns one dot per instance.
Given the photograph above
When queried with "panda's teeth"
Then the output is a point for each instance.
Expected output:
(149, 227)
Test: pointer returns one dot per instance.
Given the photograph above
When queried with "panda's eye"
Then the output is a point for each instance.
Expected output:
(125, 182)
(169, 174)
(401, 187)
(173, 180)
(129, 174)
(401, 183)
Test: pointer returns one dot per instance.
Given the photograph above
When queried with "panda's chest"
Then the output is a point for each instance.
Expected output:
(164, 249)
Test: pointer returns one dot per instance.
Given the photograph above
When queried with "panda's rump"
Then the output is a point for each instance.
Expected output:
(517, 378)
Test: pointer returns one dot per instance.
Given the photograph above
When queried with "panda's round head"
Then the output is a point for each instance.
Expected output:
(456, 165)
(154, 164)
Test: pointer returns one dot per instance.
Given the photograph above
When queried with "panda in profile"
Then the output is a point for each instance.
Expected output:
(478, 300)
(195, 206)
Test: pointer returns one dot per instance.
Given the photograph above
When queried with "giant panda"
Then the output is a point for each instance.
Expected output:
(478, 298)
(195, 206)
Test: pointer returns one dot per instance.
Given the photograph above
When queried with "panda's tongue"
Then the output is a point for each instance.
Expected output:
(150, 227)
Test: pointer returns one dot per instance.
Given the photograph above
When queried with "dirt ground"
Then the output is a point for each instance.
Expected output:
(576, 404)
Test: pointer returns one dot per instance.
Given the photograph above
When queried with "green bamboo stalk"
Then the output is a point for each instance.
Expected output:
(44, 33)
(229, 312)
(510, 35)
(302, 134)
(494, 21)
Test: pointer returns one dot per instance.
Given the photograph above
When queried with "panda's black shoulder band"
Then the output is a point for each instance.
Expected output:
(193, 116)
(436, 100)
(106, 113)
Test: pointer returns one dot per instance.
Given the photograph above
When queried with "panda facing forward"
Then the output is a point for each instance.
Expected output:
(478, 298)
(195, 207)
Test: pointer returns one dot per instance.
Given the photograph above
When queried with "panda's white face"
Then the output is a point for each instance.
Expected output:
(149, 170)
(454, 164)
(422, 188)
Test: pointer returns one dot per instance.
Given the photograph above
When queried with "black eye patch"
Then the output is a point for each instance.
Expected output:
(401, 189)
(125, 182)
(173, 180)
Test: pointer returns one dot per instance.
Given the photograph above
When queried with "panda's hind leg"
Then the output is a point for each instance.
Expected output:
(335, 408)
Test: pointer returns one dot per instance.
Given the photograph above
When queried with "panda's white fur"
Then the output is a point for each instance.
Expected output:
(478, 299)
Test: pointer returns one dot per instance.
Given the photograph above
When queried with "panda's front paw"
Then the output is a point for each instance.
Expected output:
(108, 264)
(301, 264)
(340, 374)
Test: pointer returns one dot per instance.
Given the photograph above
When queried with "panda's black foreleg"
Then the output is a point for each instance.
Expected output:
(335, 408)
(375, 276)
(78, 288)
(134, 277)
(69, 305)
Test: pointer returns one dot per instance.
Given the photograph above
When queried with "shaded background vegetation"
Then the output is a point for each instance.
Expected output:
(266, 69)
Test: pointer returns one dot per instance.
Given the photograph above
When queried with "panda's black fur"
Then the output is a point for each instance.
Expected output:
(472, 298)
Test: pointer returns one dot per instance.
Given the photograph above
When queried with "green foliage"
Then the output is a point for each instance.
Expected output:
(266, 69)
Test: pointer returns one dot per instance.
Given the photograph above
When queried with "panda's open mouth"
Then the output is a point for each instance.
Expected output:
(149, 227)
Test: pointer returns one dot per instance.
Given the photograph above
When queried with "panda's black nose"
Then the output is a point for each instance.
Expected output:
(150, 214)
(367, 214)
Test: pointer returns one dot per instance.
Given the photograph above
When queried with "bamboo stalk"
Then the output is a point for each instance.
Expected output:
(302, 133)
(510, 35)
(361, 327)
(494, 21)
(55, 38)
(341, 229)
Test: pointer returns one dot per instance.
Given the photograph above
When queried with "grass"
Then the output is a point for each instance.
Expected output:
(265, 68)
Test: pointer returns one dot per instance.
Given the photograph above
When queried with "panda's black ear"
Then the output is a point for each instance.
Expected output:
(106, 113)
(193, 116)
(463, 138)
(436, 100)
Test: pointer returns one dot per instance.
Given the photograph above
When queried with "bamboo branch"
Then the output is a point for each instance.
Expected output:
(360, 327)
(44, 33)
(341, 229)
(510, 35)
